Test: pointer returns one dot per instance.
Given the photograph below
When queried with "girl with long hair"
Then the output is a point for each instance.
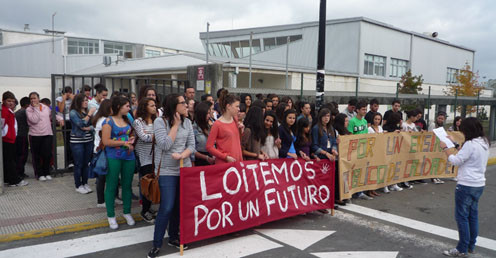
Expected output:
(341, 124)
(143, 127)
(472, 164)
(324, 143)
(118, 139)
(303, 142)
(272, 141)
(175, 142)
(224, 141)
(81, 139)
(201, 127)
(456, 124)
(104, 111)
(376, 127)
(254, 135)
(287, 131)
(393, 124)
(245, 98)
(191, 109)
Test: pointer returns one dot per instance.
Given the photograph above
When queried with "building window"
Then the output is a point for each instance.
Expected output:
(374, 65)
(451, 75)
(82, 46)
(118, 48)
(1, 38)
(151, 53)
(398, 67)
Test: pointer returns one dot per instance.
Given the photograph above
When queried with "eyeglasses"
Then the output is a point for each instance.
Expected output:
(182, 102)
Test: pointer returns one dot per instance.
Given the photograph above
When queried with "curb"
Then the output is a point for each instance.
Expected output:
(491, 161)
(62, 229)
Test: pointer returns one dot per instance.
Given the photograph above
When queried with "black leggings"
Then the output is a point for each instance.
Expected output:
(146, 204)
(41, 153)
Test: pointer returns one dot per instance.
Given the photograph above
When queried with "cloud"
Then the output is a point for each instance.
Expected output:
(177, 24)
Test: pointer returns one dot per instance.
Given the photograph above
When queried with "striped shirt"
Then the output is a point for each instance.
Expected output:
(144, 133)
(88, 137)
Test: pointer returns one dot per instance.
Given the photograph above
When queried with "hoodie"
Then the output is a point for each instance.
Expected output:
(472, 162)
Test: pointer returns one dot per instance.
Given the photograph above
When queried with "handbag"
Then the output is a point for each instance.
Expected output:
(149, 182)
(99, 162)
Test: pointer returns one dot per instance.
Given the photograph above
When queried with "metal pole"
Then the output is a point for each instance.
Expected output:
(53, 32)
(478, 97)
(321, 56)
(456, 100)
(208, 27)
(287, 60)
(356, 88)
(301, 86)
(54, 128)
(428, 105)
(249, 77)
(397, 89)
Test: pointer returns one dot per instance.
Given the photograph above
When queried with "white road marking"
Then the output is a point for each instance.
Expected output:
(83, 245)
(300, 239)
(236, 247)
(417, 225)
(357, 254)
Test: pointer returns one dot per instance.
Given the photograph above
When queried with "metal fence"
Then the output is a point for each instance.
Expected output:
(126, 84)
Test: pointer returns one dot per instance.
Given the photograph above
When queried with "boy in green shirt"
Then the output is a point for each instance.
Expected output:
(358, 124)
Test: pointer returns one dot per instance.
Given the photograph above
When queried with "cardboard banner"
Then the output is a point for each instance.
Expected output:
(372, 161)
(220, 199)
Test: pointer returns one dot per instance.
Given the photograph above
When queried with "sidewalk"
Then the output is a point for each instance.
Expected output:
(54, 207)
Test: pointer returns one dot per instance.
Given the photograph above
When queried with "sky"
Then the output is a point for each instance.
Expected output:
(176, 24)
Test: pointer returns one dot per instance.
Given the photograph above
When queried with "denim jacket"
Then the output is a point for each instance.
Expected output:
(320, 143)
(77, 123)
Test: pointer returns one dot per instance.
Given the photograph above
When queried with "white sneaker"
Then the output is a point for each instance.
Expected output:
(386, 190)
(113, 223)
(100, 205)
(49, 177)
(364, 197)
(81, 190)
(118, 201)
(129, 219)
(87, 188)
(22, 183)
(395, 187)
(42, 178)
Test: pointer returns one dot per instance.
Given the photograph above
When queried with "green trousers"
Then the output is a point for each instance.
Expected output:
(124, 168)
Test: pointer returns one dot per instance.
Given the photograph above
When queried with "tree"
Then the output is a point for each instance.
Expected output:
(467, 84)
(410, 84)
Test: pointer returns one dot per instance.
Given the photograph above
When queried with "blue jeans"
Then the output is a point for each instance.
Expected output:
(466, 215)
(82, 153)
(168, 213)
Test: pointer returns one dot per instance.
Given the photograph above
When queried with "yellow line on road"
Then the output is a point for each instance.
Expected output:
(61, 229)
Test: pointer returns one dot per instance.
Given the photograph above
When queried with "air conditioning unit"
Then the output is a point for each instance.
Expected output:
(107, 60)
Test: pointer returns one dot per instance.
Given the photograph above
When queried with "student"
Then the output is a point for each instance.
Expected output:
(86, 90)
(374, 107)
(40, 136)
(456, 124)
(81, 141)
(118, 139)
(272, 141)
(409, 126)
(246, 100)
(376, 127)
(350, 109)
(280, 109)
(9, 131)
(201, 128)
(393, 125)
(254, 135)
(324, 143)
(305, 111)
(191, 109)
(64, 105)
(134, 102)
(101, 94)
(224, 141)
(420, 123)
(21, 142)
(287, 131)
(341, 123)
(289, 102)
(472, 161)
(396, 105)
(303, 142)
(148, 91)
(189, 92)
(143, 127)
(268, 104)
(104, 111)
(275, 101)
(358, 124)
(175, 141)
(438, 122)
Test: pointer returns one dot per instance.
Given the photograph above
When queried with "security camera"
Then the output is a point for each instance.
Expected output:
(434, 34)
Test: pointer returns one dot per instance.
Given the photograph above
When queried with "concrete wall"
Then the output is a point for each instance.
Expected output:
(22, 86)
(11, 37)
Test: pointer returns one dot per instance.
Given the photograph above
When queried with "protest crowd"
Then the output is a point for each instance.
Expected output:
(140, 133)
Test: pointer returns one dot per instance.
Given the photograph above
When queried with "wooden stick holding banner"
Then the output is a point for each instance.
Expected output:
(181, 246)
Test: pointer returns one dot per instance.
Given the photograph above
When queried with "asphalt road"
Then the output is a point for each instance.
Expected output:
(348, 234)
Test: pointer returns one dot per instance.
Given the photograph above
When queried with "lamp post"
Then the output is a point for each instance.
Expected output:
(53, 32)
(319, 95)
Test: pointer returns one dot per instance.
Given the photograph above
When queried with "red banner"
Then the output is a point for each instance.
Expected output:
(220, 199)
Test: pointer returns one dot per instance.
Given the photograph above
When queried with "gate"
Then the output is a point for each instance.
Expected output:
(163, 87)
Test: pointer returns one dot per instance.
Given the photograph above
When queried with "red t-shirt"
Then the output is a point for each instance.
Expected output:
(223, 141)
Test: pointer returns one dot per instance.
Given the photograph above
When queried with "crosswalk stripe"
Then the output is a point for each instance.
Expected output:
(373, 254)
(417, 225)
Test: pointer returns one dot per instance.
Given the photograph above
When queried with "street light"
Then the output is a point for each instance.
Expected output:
(53, 32)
